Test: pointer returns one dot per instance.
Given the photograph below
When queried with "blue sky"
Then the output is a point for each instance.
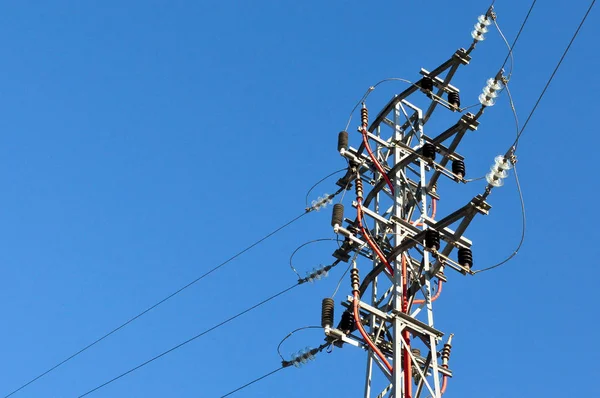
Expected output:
(146, 141)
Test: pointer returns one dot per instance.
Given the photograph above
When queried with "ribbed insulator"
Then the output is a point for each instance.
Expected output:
(446, 352)
(416, 352)
(354, 278)
(429, 151)
(359, 188)
(432, 239)
(347, 322)
(465, 257)
(327, 312)
(364, 116)
(454, 99)
(337, 216)
(342, 140)
(427, 83)
(458, 168)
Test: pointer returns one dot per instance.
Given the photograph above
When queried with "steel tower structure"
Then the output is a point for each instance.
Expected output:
(395, 171)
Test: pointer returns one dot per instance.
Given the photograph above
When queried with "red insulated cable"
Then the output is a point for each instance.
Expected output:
(435, 296)
(374, 159)
(406, 334)
(444, 383)
(366, 337)
(372, 244)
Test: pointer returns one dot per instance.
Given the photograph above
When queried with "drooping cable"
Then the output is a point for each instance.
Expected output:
(520, 131)
(523, 229)
(301, 246)
(290, 334)
(320, 181)
(522, 201)
(158, 303)
(162, 354)
(368, 92)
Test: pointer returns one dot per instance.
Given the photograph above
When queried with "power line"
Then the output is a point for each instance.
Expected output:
(553, 74)
(514, 43)
(254, 381)
(190, 340)
(290, 334)
(320, 181)
(523, 229)
(301, 246)
(284, 364)
(82, 350)
(520, 132)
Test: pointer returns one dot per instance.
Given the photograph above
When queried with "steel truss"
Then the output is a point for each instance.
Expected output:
(397, 221)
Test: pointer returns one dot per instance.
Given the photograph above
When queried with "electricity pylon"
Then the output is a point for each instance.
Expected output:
(395, 172)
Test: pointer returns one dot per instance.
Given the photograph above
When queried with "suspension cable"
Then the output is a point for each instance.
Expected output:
(254, 381)
(158, 303)
(190, 340)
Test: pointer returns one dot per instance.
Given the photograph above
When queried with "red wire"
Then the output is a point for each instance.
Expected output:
(356, 298)
(366, 337)
(372, 244)
(406, 334)
(374, 159)
(444, 382)
(435, 296)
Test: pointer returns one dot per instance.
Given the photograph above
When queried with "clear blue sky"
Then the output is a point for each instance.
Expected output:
(143, 142)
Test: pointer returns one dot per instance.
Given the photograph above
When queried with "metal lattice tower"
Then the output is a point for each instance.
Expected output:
(409, 247)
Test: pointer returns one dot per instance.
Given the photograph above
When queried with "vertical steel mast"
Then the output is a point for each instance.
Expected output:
(395, 172)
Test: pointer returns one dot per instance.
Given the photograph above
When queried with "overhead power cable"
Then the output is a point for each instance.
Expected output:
(514, 43)
(320, 181)
(298, 361)
(290, 334)
(520, 191)
(254, 381)
(162, 354)
(301, 246)
(523, 229)
(162, 301)
(562, 58)
(513, 147)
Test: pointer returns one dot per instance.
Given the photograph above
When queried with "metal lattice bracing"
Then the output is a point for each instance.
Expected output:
(397, 303)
